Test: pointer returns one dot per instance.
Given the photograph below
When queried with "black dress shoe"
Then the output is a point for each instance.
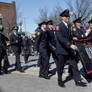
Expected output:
(1, 73)
(80, 83)
(26, 62)
(49, 72)
(20, 70)
(61, 84)
(43, 76)
(5, 71)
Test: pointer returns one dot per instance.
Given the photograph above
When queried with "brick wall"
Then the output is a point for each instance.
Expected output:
(8, 11)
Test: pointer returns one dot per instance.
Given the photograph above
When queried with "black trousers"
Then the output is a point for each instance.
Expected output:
(53, 55)
(0, 62)
(44, 63)
(17, 51)
(51, 52)
(26, 56)
(17, 61)
(3, 56)
(39, 61)
(6, 62)
(61, 61)
(77, 58)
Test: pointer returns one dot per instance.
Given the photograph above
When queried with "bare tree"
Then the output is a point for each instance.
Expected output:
(12, 19)
(10, 22)
(54, 16)
(19, 15)
(80, 8)
(43, 15)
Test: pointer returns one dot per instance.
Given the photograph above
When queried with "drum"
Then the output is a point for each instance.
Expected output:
(88, 49)
(85, 54)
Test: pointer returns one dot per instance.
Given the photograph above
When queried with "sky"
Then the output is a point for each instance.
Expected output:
(29, 10)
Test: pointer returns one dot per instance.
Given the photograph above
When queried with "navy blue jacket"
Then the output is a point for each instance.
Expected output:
(51, 38)
(16, 42)
(79, 33)
(63, 40)
(41, 42)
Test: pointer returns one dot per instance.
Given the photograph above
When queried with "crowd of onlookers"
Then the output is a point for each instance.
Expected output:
(32, 50)
(17, 44)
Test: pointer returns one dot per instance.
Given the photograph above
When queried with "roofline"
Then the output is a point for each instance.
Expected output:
(7, 2)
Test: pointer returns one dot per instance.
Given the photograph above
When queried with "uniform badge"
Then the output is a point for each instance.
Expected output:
(38, 33)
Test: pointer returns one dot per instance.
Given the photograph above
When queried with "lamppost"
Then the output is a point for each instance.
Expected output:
(1, 18)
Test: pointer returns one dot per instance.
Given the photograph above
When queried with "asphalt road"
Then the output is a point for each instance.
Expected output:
(30, 82)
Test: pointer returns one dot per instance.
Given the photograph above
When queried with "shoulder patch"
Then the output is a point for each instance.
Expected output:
(38, 33)
(57, 28)
(74, 29)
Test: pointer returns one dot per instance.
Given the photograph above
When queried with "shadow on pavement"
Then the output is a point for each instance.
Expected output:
(52, 63)
(32, 60)
(52, 72)
(68, 78)
(29, 66)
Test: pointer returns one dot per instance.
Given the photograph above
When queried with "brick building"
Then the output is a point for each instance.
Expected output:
(8, 16)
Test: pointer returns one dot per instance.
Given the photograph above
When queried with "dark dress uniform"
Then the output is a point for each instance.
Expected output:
(79, 33)
(26, 48)
(16, 41)
(42, 48)
(3, 53)
(52, 43)
(35, 46)
(90, 34)
(65, 53)
(6, 61)
(86, 62)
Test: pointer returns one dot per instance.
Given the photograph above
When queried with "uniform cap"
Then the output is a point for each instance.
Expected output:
(50, 22)
(15, 28)
(90, 21)
(65, 13)
(77, 20)
(40, 24)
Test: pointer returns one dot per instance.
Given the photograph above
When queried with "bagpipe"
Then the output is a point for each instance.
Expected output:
(85, 53)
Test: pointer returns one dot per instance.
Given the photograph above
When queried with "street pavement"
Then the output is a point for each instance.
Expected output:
(30, 82)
